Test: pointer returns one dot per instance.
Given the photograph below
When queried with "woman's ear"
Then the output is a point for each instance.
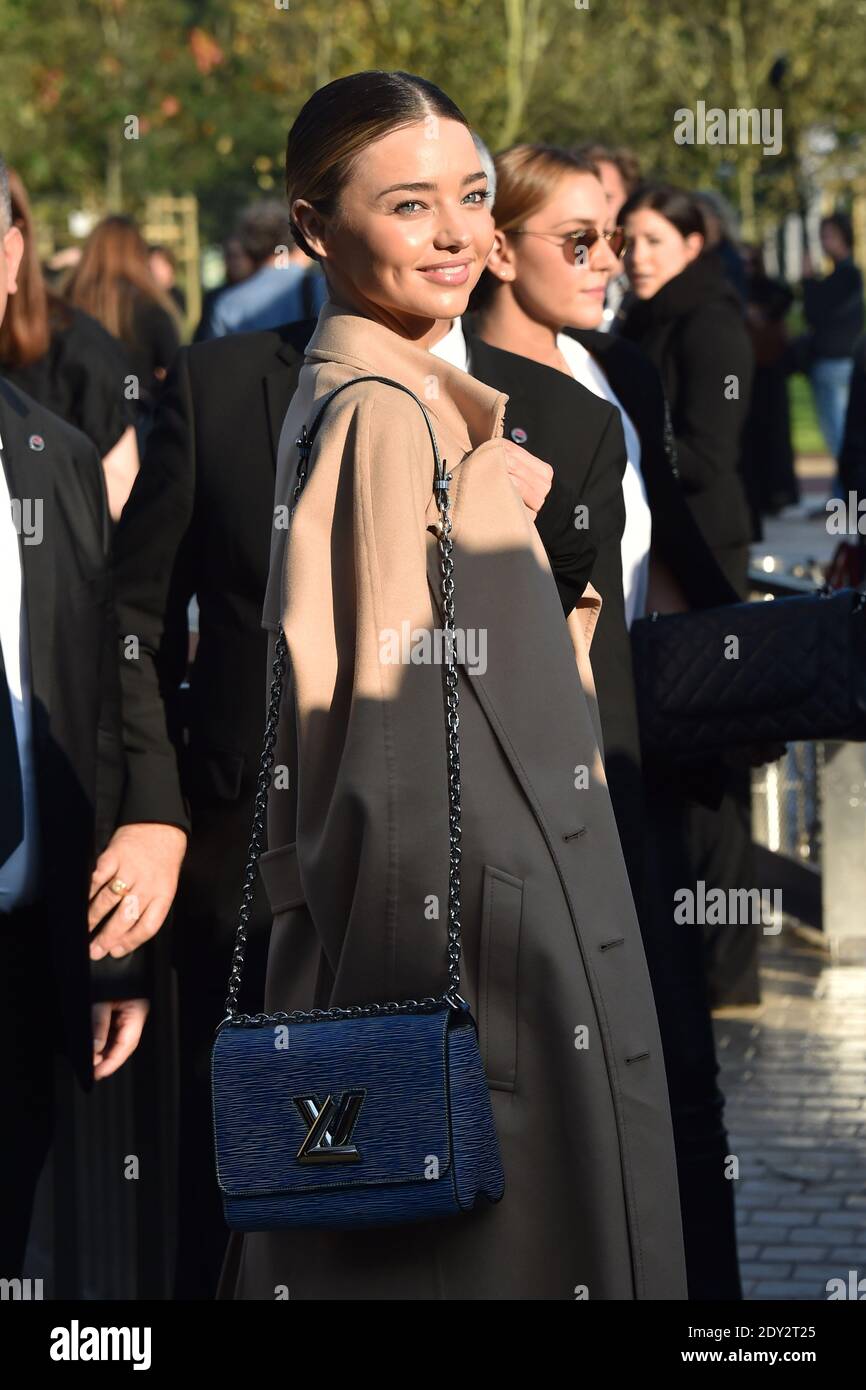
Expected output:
(13, 246)
(500, 260)
(311, 224)
(694, 245)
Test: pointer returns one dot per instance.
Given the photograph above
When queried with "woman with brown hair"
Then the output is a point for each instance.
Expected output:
(113, 281)
(67, 362)
(386, 192)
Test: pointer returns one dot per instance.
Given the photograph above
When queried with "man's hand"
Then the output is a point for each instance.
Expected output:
(530, 475)
(117, 1028)
(147, 858)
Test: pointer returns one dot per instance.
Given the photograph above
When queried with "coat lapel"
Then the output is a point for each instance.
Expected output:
(30, 472)
(467, 411)
(503, 584)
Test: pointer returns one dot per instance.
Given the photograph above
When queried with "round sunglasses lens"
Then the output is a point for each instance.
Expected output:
(617, 241)
(583, 244)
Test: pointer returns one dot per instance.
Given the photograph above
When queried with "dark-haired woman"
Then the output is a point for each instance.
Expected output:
(542, 296)
(386, 191)
(67, 362)
(690, 321)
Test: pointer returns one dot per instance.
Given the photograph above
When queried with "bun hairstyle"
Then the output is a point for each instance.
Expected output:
(678, 207)
(340, 120)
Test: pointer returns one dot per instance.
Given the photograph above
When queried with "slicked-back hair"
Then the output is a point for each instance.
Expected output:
(341, 119)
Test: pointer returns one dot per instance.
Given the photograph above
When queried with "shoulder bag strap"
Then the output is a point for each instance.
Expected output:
(451, 996)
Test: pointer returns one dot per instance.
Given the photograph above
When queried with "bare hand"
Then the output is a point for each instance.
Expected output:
(531, 476)
(147, 857)
(117, 1028)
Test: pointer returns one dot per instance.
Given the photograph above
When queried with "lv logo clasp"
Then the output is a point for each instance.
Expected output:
(330, 1125)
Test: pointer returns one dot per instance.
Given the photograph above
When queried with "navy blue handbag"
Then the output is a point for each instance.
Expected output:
(373, 1115)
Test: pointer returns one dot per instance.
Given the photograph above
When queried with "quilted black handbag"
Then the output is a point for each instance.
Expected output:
(376, 1114)
(785, 670)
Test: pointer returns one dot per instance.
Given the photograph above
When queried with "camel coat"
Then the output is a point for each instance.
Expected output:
(357, 865)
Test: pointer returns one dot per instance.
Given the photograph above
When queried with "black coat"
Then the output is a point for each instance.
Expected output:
(75, 705)
(694, 332)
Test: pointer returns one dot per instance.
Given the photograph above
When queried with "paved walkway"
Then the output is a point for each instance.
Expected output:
(794, 1074)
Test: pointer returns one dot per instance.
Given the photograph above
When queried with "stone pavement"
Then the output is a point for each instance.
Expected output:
(793, 1070)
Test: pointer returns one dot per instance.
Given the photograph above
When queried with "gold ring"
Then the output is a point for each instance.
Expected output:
(118, 886)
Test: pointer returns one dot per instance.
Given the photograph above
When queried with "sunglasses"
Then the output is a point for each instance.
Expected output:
(583, 240)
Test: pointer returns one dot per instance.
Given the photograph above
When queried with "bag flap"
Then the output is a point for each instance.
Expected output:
(782, 646)
(375, 1088)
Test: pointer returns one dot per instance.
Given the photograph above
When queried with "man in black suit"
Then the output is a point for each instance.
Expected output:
(62, 776)
(197, 525)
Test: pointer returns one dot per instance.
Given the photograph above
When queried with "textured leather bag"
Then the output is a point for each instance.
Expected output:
(799, 674)
(373, 1115)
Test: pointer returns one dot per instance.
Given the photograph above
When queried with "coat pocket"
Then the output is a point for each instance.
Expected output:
(280, 874)
(501, 912)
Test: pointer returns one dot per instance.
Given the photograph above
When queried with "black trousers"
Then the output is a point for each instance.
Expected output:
(204, 923)
(28, 1042)
(675, 958)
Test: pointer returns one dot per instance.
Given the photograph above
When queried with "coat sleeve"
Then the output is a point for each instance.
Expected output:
(713, 347)
(154, 581)
(571, 549)
(126, 977)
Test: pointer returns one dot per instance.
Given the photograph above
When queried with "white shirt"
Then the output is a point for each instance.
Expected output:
(637, 535)
(638, 518)
(18, 874)
(453, 347)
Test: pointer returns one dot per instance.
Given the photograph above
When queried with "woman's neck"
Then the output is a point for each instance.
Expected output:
(422, 332)
(503, 324)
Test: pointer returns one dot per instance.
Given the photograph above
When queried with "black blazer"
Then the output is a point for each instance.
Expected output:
(581, 437)
(198, 523)
(568, 426)
(693, 330)
(75, 705)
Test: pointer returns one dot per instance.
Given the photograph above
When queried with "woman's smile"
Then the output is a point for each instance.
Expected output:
(447, 272)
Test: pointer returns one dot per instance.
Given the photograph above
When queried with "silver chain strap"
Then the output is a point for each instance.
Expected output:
(451, 995)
